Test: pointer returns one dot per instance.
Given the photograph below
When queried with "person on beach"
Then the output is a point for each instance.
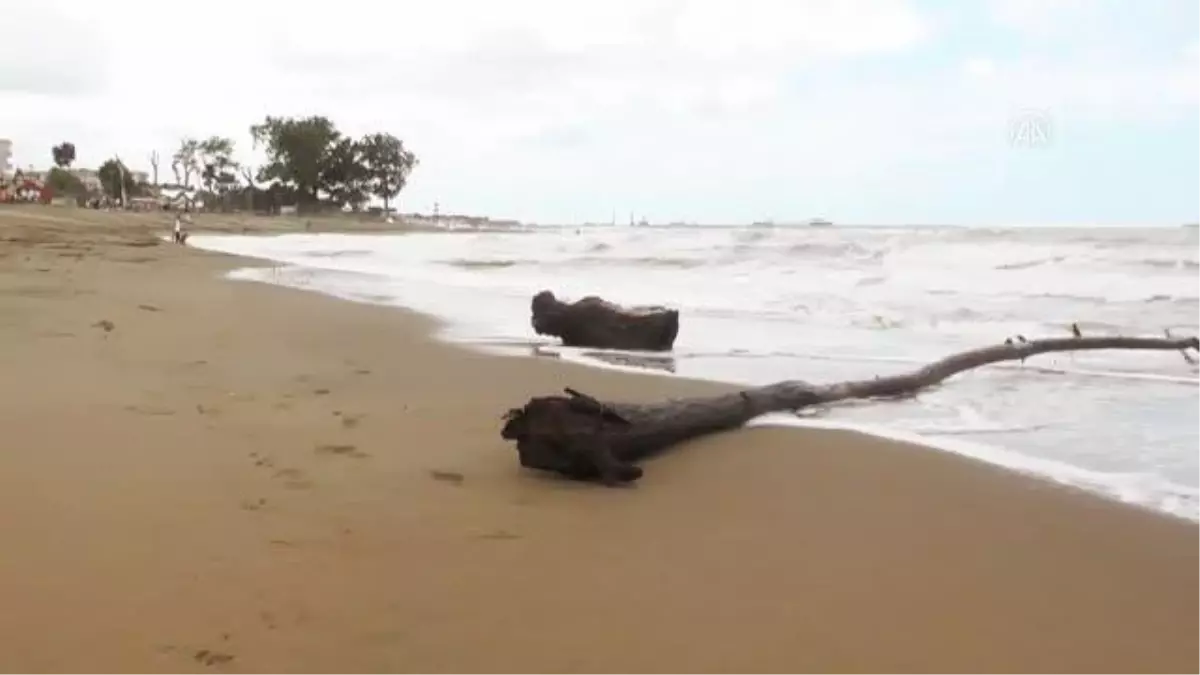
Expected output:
(180, 235)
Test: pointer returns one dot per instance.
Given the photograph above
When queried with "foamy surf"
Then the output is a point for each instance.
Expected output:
(1145, 490)
(764, 306)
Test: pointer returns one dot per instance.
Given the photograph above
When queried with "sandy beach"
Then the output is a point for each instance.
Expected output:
(205, 475)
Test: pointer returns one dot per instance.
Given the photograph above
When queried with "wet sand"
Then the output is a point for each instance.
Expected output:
(204, 475)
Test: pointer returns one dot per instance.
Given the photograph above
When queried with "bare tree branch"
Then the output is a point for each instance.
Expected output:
(154, 165)
(585, 439)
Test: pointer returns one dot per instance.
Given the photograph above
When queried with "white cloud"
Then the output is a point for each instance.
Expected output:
(49, 52)
(461, 77)
(1040, 18)
(979, 68)
(797, 29)
(515, 105)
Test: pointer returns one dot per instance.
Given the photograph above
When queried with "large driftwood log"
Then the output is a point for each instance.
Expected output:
(593, 322)
(585, 439)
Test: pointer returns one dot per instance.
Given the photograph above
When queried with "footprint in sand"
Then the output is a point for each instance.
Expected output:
(294, 479)
(208, 410)
(452, 477)
(348, 421)
(209, 657)
(149, 410)
(342, 449)
(499, 535)
(262, 461)
(254, 504)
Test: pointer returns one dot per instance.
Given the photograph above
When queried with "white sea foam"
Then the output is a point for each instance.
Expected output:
(762, 304)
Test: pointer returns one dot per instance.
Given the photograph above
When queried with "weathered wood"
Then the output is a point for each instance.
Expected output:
(594, 322)
(585, 439)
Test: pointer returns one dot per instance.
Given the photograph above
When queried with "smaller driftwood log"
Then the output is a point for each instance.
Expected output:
(594, 322)
(585, 439)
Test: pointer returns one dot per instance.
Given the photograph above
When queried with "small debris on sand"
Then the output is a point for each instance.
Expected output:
(211, 658)
(453, 477)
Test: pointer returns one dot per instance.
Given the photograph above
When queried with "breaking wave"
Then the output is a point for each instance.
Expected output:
(828, 304)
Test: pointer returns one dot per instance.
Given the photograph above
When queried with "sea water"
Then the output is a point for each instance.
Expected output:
(760, 304)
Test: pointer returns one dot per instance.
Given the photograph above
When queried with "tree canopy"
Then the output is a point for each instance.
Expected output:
(64, 154)
(299, 151)
(387, 164)
(214, 156)
(309, 162)
(311, 156)
(112, 173)
(185, 163)
(344, 176)
(63, 182)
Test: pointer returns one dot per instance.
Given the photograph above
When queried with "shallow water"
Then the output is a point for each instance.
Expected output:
(763, 304)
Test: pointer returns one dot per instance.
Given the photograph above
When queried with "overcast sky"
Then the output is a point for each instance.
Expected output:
(865, 111)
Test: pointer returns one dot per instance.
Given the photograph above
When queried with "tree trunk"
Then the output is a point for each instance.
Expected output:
(584, 439)
(309, 202)
(592, 322)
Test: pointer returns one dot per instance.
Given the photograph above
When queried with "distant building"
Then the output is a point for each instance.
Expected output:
(177, 197)
(90, 179)
(5, 156)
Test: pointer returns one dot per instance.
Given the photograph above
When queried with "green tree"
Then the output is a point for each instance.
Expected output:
(344, 176)
(298, 152)
(65, 183)
(64, 154)
(186, 161)
(215, 157)
(112, 173)
(387, 164)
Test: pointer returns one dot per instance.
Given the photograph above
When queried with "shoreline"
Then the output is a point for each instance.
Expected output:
(1052, 472)
(1181, 503)
(240, 477)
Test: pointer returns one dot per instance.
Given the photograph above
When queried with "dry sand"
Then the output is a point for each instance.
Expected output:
(237, 477)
